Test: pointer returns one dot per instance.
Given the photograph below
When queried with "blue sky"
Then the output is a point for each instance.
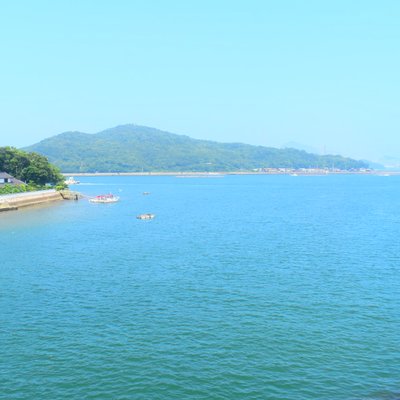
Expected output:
(322, 73)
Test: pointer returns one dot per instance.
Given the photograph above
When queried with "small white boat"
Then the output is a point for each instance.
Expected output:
(145, 216)
(104, 198)
(71, 181)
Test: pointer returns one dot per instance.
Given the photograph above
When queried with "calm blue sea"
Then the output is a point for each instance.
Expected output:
(242, 287)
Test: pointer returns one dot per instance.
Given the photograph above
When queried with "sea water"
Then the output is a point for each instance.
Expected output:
(242, 287)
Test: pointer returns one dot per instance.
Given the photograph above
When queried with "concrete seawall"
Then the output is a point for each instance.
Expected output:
(18, 200)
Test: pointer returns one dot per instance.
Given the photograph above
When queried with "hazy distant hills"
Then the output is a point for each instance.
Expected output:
(390, 162)
(132, 148)
(300, 146)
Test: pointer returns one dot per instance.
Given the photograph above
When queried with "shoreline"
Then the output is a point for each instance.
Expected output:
(219, 174)
(15, 201)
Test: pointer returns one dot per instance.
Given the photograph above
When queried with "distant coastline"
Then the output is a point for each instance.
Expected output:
(309, 172)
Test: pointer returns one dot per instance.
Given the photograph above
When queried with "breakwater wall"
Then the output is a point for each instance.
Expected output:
(17, 200)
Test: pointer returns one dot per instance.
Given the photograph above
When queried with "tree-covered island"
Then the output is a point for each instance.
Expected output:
(133, 148)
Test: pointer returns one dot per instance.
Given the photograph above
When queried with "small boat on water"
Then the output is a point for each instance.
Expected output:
(104, 198)
(71, 181)
(145, 216)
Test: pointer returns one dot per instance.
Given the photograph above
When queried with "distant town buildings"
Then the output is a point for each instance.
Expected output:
(311, 171)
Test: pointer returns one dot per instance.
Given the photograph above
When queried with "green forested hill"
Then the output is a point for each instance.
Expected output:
(132, 148)
(31, 168)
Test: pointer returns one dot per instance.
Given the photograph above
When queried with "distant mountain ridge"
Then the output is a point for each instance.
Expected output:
(134, 148)
(300, 146)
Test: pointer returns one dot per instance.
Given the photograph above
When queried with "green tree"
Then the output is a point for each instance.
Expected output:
(32, 168)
